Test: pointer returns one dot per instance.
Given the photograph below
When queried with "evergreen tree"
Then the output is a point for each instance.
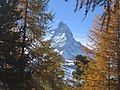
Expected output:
(80, 64)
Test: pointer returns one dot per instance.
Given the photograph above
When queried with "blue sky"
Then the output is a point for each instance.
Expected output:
(64, 11)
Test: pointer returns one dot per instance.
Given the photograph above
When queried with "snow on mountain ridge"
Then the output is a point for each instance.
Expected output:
(63, 41)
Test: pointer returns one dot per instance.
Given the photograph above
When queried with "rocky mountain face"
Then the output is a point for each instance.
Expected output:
(64, 43)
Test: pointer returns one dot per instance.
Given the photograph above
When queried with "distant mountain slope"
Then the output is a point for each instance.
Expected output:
(63, 42)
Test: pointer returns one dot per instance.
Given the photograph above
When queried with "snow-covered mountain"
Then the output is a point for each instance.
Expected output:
(63, 42)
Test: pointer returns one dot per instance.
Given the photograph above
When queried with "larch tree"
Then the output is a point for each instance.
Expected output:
(26, 60)
(50, 71)
(10, 39)
(92, 4)
(106, 45)
(45, 63)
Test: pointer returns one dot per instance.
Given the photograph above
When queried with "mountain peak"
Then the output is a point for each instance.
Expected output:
(61, 24)
(63, 41)
(63, 29)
